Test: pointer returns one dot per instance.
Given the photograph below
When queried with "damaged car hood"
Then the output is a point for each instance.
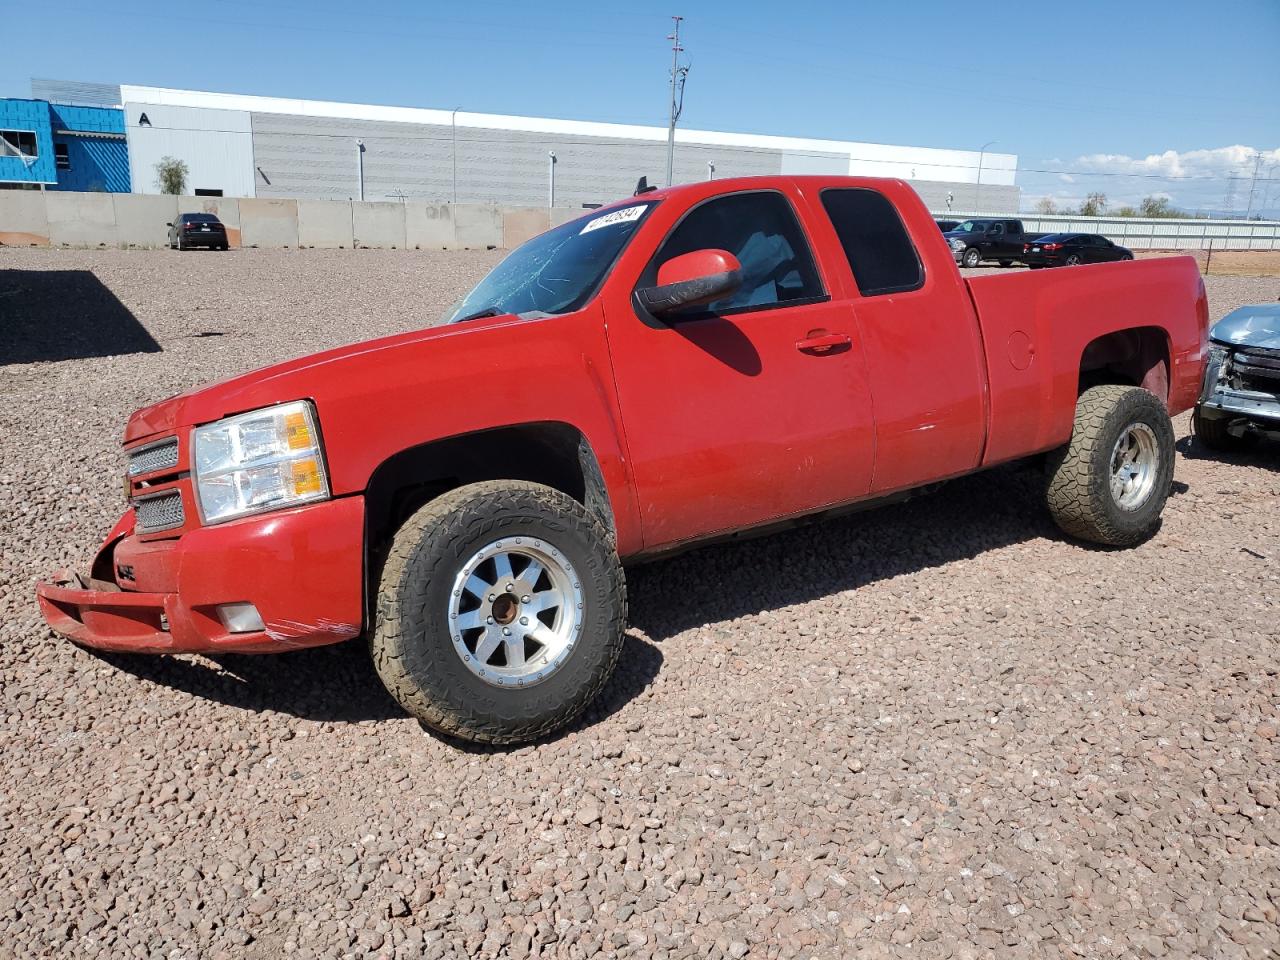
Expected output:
(1257, 325)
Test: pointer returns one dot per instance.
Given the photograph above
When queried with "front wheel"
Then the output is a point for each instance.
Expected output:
(1110, 482)
(1006, 263)
(1213, 433)
(500, 613)
(972, 257)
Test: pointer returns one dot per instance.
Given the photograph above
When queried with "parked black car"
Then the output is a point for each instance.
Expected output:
(1071, 250)
(974, 241)
(1240, 400)
(947, 225)
(197, 230)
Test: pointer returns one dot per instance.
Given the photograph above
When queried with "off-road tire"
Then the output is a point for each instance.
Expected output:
(1079, 474)
(1212, 432)
(972, 258)
(411, 646)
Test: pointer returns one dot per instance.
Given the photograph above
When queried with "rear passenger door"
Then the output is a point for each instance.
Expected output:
(919, 335)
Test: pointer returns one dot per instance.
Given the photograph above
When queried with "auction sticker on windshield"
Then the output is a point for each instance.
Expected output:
(625, 215)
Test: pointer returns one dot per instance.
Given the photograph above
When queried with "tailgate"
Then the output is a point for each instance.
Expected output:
(1036, 327)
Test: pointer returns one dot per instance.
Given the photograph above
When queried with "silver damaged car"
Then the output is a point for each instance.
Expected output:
(1240, 399)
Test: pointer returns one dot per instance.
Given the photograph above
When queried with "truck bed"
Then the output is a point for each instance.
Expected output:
(1036, 327)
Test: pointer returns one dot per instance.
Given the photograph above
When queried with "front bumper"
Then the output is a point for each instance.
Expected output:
(1262, 408)
(302, 568)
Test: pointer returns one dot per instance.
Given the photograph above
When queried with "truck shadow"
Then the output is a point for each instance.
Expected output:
(65, 315)
(1264, 453)
(963, 519)
(338, 684)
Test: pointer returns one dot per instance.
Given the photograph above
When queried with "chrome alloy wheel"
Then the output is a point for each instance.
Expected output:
(515, 611)
(1135, 462)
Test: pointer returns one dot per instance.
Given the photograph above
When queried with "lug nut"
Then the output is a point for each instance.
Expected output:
(525, 598)
(524, 621)
(506, 631)
(489, 620)
(510, 587)
(493, 597)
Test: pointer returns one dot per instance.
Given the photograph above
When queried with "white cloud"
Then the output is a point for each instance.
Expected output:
(1210, 180)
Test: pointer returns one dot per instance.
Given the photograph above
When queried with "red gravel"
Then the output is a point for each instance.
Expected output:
(938, 729)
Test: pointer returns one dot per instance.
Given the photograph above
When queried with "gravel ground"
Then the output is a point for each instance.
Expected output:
(938, 729)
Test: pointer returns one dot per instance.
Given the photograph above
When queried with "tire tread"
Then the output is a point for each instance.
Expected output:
(453, 516)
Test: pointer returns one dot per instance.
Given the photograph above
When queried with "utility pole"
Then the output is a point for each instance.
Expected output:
(1253, 183)
(678, 74)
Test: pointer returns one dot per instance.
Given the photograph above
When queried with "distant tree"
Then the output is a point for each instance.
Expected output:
(1126, 211)
(1095, 205)
(1046, 205)
(171, 174)
(1158, 207)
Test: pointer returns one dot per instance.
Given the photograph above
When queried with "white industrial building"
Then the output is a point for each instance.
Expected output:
(250, 146)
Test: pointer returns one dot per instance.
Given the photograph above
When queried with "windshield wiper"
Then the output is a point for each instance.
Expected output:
(486, 312)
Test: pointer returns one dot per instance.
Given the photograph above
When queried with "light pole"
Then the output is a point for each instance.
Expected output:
(453, 125)
(551, 178)
(711, 169)
(360, 166)
(676, 50)
(977, 187)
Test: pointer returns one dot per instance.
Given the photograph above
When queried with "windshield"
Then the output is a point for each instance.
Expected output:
(557, 272)
(971, 226)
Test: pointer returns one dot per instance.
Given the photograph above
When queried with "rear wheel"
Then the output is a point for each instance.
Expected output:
(500, 613)
(1110, 482)
(1006, 263)
(1074, 260)
(972, 257)
(1212, 432)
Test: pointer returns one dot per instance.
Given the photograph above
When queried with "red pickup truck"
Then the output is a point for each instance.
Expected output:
(683, 365)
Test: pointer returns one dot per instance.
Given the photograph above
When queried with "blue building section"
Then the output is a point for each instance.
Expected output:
(90, 152)
(26, 142)
(63, 147)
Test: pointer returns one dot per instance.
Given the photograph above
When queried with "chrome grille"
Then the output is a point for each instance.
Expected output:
(158, 456)
(162, 512)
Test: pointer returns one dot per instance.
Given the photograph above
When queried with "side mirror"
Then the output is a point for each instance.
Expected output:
(168, 224)
(699, 277)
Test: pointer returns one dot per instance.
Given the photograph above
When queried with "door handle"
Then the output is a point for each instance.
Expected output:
(820, 342)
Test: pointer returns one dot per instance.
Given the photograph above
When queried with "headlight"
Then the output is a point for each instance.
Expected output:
(957, 244)
(253, 462)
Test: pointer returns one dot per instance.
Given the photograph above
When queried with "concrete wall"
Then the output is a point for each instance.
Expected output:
(378, 225)
(31, 218)
(325, 224)
(81, 219)
(142, 221)
(269, 223)
(23, 221)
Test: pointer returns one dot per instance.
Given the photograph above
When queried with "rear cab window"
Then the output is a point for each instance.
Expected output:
(875, 241)
(761, 229)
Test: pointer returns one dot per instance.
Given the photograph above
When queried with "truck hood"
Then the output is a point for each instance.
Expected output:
(297, 379)
(1257, 325)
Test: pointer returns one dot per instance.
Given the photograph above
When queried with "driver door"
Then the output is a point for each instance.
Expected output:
(754, 408)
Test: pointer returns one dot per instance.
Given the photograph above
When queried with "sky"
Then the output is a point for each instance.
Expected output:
(1130, 98)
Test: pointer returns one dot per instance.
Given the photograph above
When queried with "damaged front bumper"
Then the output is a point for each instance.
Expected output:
(301, 569)
(1226, 396)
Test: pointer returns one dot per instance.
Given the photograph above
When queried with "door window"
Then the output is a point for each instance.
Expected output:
(761, 230)
(876, 244)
